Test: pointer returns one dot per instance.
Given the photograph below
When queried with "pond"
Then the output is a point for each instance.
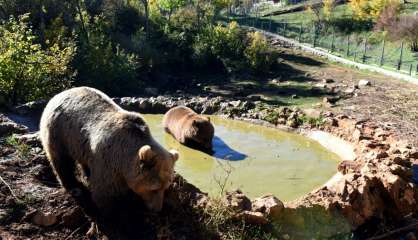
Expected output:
(253, 158)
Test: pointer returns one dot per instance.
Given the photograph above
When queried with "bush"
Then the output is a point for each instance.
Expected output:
(222, 45)
(27, 71)
(106, 66)
(259, 54)
(370, 9)
(406, 28)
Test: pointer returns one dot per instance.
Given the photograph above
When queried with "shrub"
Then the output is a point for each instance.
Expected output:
(27, 71)
(104, 65)
(370, 9)
(224, 45)
(259, 54)
(387, 17)
(406, 28)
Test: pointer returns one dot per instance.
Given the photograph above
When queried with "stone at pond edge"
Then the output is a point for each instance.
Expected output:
(256, 218)
(237, 201)
(364, 82)
(44, 219)
(269, 205)
(7, 127)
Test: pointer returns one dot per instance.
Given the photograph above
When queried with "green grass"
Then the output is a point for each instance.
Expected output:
(289, 25)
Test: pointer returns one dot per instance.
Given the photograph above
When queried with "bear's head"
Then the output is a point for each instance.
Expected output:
(201, 131)
(152, 174)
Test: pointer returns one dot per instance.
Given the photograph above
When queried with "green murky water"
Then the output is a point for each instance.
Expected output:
(256, 159)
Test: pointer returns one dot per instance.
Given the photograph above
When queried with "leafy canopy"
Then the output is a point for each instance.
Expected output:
(27, 70)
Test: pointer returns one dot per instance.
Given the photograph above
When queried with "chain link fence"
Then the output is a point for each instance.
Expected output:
(388, 55)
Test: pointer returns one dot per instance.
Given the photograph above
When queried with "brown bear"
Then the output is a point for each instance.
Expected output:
(188, 127)
(84, 127)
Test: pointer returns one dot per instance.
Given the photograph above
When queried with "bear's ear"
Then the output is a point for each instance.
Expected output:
(174, 154)
(145, 153)
(208, 119)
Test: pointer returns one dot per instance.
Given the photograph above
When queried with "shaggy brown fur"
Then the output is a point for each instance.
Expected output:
(189, 127)
(83, 126)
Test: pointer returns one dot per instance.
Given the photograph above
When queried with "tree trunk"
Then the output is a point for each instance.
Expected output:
(83, 25)
(145, 3)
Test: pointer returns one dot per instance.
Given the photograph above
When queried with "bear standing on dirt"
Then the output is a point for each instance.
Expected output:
(188, 127)
(82, 126)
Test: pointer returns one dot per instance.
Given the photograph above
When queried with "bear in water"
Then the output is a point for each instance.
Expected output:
(114, 148)
(189, 128)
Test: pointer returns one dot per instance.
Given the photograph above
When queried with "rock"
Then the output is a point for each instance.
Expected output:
(256, 218)
(330, 121)
(412, 154)
(382, 154)
(31, 139)
(364, 82)
(320, 85)
(327, 80)
(73, 218)
(235, 103)
(292, 123)
(404, 172)
(237, 201)
(347, 166)
(350, 90)
(8, 127)
(34, 107)
(269, 205)
(44, 219)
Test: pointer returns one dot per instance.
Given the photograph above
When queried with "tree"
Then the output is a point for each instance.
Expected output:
(170, 5)
(27, 71)
(406, 29)
(322, 11)
(370, 9)
(146, 10)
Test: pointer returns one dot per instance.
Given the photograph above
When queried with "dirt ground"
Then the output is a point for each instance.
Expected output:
(41, 209)
(304, 80)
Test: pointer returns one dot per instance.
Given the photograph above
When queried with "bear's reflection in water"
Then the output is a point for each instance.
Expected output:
(222, 151)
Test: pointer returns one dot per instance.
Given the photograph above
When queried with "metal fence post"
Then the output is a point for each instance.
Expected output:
(383, 53)
(300, 32)
(270, 24)
(365, 49)
(400, 57)
(314, 37)
(332, 41)
(284, 29)
(348, 46)
(410, 69)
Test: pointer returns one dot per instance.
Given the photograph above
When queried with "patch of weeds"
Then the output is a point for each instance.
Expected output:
(220, 219)
(23, 149)
(311, 121)
(15, 211)
(271, 116)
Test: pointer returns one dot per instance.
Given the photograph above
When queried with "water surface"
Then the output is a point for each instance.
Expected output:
(254, 158)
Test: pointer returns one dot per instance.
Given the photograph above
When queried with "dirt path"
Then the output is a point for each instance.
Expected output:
(305, 80)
